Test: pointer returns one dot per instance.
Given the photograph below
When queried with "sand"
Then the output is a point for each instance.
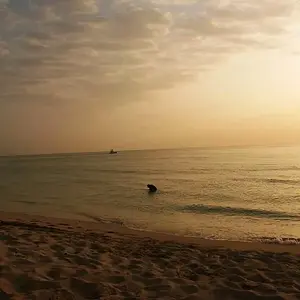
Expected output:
(42, 258)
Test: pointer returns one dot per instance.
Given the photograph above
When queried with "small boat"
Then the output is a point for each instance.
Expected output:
(112, 151)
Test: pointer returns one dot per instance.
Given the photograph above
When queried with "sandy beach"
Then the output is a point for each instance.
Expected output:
(42, 258)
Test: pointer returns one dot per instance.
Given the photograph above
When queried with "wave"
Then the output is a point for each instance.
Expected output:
(236, 211)
(32, 202)
(122, 172)
(279, 240)
(26, 202)
(283, 181)
(289, 168)
(101, 219)
(270, 180)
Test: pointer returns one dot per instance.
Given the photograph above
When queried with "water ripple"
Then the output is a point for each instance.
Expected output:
(236, 211)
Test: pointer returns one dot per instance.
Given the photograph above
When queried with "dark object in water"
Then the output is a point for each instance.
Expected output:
(152, 188)
(113, 152)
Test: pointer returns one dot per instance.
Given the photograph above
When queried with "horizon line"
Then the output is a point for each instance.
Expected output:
(151, 149)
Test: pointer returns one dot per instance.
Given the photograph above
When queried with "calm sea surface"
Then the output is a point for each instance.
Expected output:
(236, 194)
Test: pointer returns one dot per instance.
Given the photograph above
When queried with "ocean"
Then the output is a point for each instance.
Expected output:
(246, 194)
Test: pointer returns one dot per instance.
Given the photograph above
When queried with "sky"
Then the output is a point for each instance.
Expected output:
(91, 75)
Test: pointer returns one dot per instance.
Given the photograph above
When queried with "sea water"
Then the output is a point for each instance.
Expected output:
(226, 193)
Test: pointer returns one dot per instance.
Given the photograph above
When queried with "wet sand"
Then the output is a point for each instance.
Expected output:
(43, 258)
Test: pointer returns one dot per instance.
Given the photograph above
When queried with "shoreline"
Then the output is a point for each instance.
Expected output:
(46, 258)
(66, 224)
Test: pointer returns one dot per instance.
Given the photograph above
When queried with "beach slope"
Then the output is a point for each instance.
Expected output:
(42, 258)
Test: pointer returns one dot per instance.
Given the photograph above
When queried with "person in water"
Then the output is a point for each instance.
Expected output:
(152, 188)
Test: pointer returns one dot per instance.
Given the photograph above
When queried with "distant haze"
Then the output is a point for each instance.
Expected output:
(87, 75)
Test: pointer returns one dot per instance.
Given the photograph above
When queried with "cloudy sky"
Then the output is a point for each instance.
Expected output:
(88, 75)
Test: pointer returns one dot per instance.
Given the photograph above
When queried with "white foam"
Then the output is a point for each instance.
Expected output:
(280, 240)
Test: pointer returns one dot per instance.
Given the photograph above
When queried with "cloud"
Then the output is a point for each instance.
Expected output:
(116, 50)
